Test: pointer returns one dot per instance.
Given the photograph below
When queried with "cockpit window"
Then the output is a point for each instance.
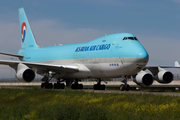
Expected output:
(130, 38)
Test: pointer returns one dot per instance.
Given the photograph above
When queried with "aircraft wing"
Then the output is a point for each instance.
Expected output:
(44, 66)
(154, 69)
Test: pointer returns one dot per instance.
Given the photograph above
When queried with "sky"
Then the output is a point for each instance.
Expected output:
(155, 23)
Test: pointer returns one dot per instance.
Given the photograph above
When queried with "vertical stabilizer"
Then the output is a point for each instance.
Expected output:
(27, 38)
(176, 64)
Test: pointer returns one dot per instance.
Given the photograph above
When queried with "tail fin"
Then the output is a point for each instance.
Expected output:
(27, 38)
(176, 64)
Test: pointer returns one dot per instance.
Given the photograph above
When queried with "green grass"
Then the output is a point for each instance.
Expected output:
(30, 104)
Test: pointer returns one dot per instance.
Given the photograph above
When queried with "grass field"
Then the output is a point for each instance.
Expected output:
(31, 104)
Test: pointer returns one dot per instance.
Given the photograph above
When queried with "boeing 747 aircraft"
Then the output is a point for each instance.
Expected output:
(111, 56)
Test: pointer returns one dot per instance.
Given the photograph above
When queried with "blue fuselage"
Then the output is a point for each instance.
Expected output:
(113, 53)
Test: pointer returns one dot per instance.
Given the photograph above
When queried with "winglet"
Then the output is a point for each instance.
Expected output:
(176, 64)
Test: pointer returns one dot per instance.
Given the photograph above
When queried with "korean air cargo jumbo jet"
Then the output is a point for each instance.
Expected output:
(111, 56)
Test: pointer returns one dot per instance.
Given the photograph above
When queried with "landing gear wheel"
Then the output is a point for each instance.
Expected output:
(99, 87)
(122, 87)
(48, 85)
(59, 86)
(42, 85)
(103, 87)
(127, 87)
(80, 86)
(77, 86)
(55, 86)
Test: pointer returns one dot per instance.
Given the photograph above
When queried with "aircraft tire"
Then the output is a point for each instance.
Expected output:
(103, 87)
(77, 86)
(73, 86)
(99, 87)
(80, 86)
(127, 87)
(42, 85)
(61, 86)
(95, 87)
(55, 86)
(48, 85)
(51, 86)
(122, 87)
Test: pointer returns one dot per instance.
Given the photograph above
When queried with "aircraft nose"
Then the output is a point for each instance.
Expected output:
(142, 53)
(142, 56)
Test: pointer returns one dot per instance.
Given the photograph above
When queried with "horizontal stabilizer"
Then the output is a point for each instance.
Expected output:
(14, 55)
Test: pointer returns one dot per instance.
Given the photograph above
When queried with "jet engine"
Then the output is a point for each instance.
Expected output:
(24, 73)
(143, 79)
(164, 76)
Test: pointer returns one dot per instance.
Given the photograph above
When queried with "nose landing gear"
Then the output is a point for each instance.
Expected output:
(124, 86)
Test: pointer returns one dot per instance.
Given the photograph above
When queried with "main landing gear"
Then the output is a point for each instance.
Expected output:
(98, 86)
(48, 85)
(59, 85)
(124, 86)
(76, 85)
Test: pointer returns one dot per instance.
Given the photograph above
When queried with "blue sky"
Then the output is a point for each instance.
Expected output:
(155, 23)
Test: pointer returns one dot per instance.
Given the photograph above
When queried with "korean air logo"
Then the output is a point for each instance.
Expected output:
(79, 49)
(93, 48)
(23, 31)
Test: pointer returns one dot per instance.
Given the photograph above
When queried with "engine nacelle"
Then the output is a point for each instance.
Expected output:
(164, 77)
(143, 79)
(25, 74)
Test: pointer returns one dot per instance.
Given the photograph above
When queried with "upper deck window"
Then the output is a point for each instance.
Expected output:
(130, 38)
